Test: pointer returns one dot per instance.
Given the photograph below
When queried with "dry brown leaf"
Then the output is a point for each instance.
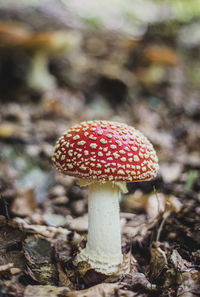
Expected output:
(158, 261)
(39, 260)
(136, 279)
(158, 204)
(138, 227)
(46, 231)
(189, 284)
(136, 201)
(103, 289)
(64, 279)
(173, 204)
(155, 205)
(6, 267)
(24, 203)
(79, 224)
(45, 291)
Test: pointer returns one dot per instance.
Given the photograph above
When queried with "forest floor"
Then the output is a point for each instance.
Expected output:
(151, 83)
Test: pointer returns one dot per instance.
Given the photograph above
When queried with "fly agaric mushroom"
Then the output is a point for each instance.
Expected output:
(104, 155)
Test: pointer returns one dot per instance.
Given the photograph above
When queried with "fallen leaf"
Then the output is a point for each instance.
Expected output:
(100, 290)
(189, 284)
(39, 258)
(45, 291)
(155, 205)
(79, 224)
(24, 203)
(46, 231)
(5, 267)
(158, 260)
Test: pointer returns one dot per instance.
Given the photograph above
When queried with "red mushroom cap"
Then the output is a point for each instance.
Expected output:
(105, 151)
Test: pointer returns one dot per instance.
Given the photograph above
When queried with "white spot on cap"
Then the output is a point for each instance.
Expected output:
(82, 142)
(63, 157)
(123, 159)
(122, 152)
(113, 146)
(70, 153)
(116, 155)
(76, 137)
(136, 158)
(134, 148)
(86, 153)
(100, 154)
(121, 171)
(100, 132)
(118, 142)
(70, 166)
(102, 140)
(124, 137)
(92, 137)
(93, 145)
(141, 155)
(83, 167)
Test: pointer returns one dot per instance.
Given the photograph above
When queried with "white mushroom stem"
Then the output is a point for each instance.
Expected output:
(103, 249)
(39, 77)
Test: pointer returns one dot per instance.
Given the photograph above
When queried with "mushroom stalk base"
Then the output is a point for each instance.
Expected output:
(103, 249)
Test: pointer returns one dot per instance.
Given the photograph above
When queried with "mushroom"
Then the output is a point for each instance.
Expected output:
(42, 45)
(105, 156)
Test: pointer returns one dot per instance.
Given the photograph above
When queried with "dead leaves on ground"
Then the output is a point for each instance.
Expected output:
(105, 290)
(170, 270)
(46, 258)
